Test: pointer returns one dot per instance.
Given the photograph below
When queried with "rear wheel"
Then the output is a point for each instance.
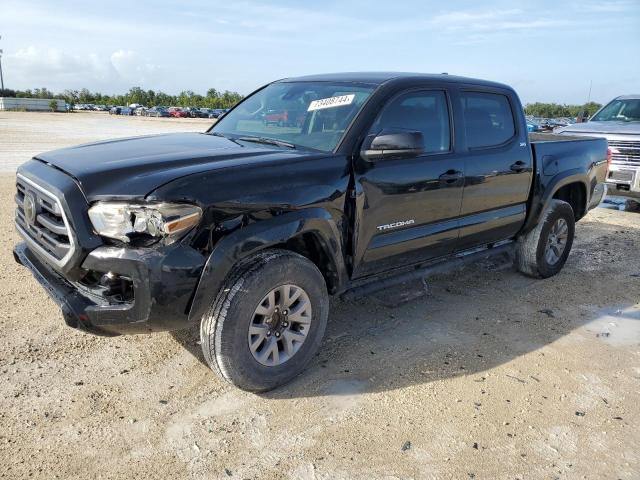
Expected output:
(544, 250)
(267, 321)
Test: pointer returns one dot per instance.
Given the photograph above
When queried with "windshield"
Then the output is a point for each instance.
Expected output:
(307, 114)
(619, 110)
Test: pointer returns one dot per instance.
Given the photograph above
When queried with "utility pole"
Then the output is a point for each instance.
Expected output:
(1, 79)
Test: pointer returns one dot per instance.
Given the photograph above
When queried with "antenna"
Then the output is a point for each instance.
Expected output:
(1, 79)
(583, 114)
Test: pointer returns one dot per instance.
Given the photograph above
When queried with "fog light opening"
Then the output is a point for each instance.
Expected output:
(117, 287)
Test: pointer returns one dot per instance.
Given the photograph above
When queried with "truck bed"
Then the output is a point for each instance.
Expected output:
(580, 151)
(573, 151)
(554, 137)
(565, 154)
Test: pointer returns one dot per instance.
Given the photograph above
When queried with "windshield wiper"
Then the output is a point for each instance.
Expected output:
(218, 134)
(266, 141)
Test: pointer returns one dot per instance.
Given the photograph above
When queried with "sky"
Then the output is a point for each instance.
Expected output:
(548, 50)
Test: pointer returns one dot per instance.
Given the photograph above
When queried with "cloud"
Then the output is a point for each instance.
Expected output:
(32, 60)
(493, 21)
(462, 18)
(33, 66)
(610, 6)
(131, 67)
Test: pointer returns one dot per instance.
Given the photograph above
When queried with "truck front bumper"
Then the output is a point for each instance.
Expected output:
(624, 180)
(163, 285)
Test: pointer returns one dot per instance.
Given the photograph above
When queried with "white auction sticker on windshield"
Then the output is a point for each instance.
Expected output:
(331, 102)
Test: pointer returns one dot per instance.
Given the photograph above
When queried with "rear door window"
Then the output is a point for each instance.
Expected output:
(488, 119)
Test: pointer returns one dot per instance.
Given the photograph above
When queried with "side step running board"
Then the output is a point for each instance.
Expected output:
(457, 262)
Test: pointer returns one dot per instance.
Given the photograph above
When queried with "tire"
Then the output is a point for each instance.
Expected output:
(532, 257)
(224, 329)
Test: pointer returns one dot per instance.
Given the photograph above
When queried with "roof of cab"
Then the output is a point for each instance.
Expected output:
(378, 78)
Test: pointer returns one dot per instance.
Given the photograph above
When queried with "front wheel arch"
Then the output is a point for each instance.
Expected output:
(301, 233)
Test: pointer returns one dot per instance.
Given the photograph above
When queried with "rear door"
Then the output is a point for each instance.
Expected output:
(497, 165)
(408, 207)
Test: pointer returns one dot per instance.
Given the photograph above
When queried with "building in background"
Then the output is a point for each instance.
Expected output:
(30, 104)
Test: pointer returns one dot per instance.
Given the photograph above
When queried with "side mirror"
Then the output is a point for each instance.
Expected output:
(393, 143)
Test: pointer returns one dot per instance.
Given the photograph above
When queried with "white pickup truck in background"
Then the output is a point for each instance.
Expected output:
(619, 123)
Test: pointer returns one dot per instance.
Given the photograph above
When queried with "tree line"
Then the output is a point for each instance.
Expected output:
(226, 99)
(148, 98)
(554, 110)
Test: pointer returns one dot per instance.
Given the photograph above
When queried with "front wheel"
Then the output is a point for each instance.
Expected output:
(267, 321)
(544, 250)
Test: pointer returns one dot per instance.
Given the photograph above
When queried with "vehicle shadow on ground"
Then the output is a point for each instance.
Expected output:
(464, 323)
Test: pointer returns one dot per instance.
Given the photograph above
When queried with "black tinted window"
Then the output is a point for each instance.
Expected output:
(488, 119)
(425, 112)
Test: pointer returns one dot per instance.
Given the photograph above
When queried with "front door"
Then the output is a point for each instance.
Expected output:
(407, 208)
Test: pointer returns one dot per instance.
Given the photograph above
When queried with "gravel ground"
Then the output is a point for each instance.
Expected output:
(485, 374)
(23, 135)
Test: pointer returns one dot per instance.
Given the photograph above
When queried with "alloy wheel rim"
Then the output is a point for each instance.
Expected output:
(556, 241)
(280, 325)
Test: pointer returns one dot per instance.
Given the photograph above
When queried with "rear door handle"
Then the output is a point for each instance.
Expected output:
(519, 166)
(451, 176)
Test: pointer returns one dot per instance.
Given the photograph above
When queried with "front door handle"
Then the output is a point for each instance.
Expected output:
(451, 176)
(519, 166)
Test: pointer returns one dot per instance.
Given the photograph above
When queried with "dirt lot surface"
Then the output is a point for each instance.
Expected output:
(488, 375)
(23, 135)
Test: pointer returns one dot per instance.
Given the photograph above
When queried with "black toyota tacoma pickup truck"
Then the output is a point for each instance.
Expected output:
(309, 187)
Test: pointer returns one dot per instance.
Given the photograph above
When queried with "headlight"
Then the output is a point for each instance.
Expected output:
(131, 221)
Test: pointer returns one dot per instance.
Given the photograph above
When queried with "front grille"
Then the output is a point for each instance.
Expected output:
(625, 151)
(41, 220)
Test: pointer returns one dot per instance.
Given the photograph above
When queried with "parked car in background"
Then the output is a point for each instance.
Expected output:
(126, 111)
(246, 234)
(115, 110)
(532, 126)
(177, 112)
(275, 117)
(558, 123)
(101, 108)
(216, 112)
(157, 112)
(618, 122)
(140, 111)
(194, 112)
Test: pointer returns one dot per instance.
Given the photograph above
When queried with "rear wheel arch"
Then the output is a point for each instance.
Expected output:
(575, 194)
(554, 233)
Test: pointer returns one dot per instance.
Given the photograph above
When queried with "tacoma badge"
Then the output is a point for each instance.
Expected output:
(401, 223)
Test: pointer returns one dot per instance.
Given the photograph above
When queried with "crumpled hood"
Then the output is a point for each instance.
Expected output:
(618, 128)
(133, 167)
